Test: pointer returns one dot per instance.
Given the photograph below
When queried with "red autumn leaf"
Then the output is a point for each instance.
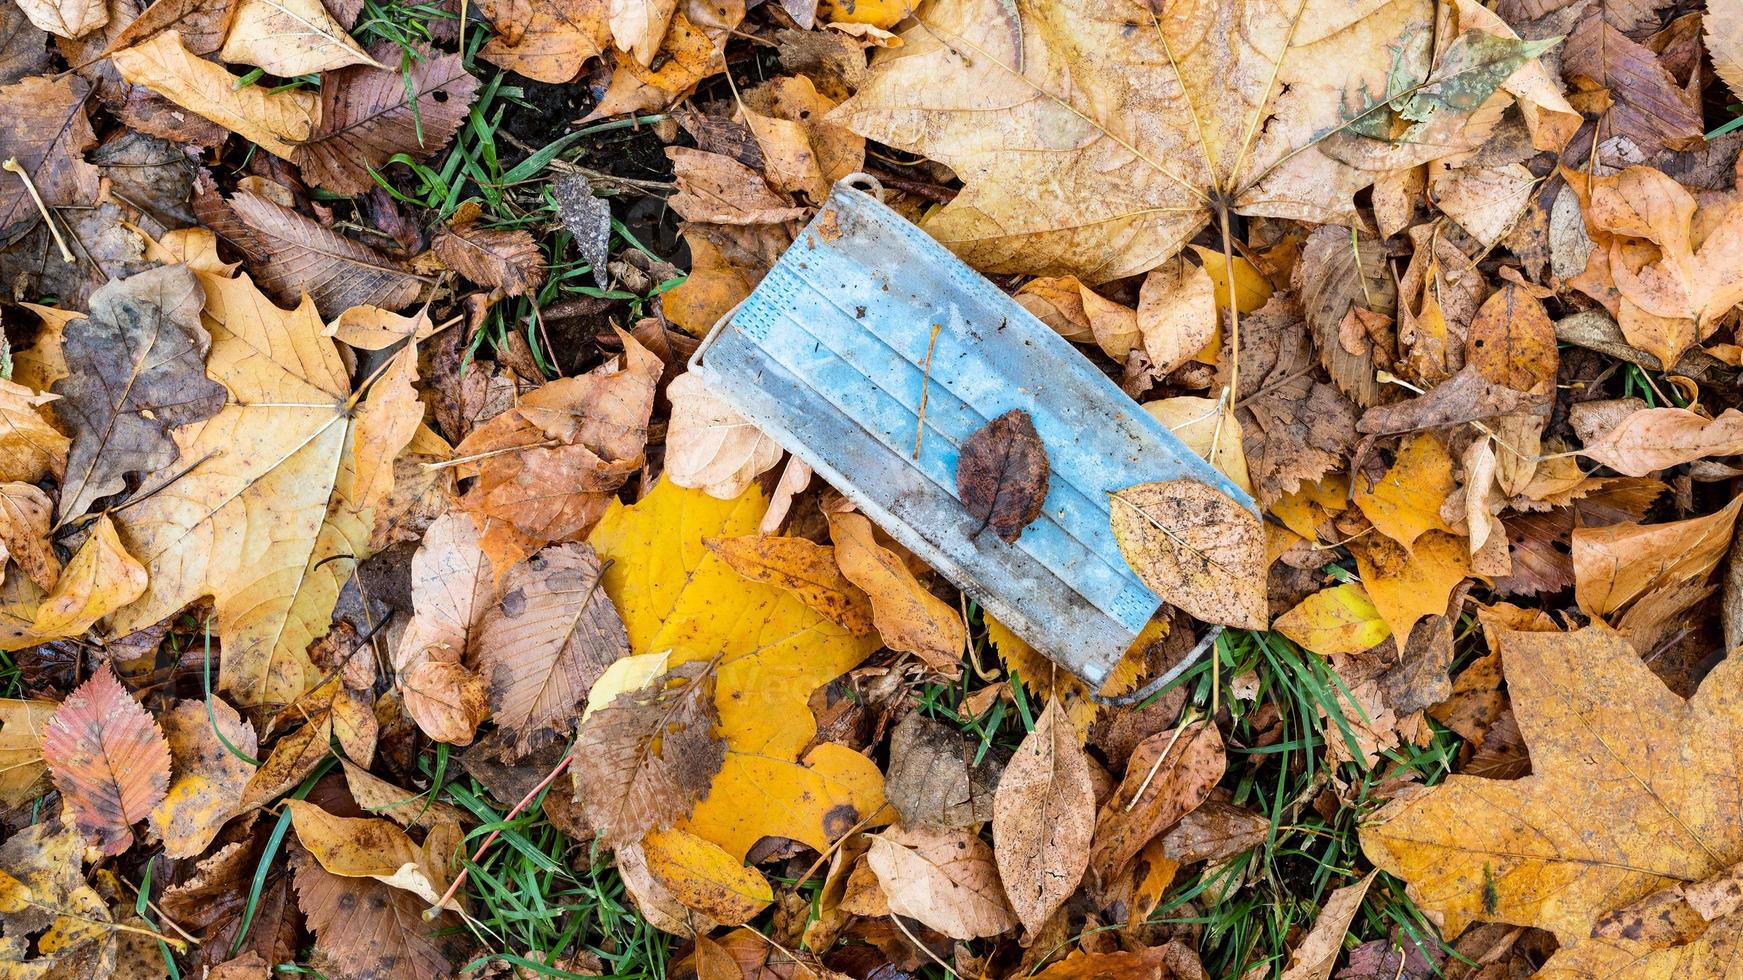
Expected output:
(108, 759)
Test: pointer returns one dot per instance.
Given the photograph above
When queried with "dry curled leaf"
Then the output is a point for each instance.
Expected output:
(504, 259)
(709, 446)
(1002, 475)
(1196, 548)
(1168, 776)
(909, 618)
(108, 759)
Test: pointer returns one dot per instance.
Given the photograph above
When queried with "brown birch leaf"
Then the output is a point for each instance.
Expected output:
(368, 115)
(108, 759)
(1043, 818)
(644, 759)
(302, 256)
(545, 642)
(137, 370)
(372, 929)
(1002, 474)
(1168, 776)
(500, 258)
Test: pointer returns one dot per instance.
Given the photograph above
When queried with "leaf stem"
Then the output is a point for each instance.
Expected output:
(478, 855)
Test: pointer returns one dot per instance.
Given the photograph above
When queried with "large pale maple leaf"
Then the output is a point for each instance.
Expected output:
(1632, 790)
(265, 509)
(1095, 137)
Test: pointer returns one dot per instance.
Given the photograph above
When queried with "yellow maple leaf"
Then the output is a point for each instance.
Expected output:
(774, 651)
(1632, 790)
(265, 514)
(1405, 503)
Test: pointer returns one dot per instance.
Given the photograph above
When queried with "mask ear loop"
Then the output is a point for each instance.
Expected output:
(1186, 663)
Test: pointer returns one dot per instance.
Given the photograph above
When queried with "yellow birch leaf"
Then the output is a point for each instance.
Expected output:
(1341, 619)
(703, 877)
(276, 121)
(209, 778)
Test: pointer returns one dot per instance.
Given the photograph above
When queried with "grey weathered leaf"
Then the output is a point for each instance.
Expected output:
(137, 369)
(588, 218)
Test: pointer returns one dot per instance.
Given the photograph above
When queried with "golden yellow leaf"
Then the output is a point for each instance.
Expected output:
(209, 778)
(101, 578)
(23, 774)
(1408, 585)
(273, 120)
(30, 448)
(263, 515)
(1341, 619)
(290, 38)
(1098, 137)
(1252, 289)
(705, 878)
(674, 594)
(877, 13)
(1405, 502)
(1630, 791)
(908, 616)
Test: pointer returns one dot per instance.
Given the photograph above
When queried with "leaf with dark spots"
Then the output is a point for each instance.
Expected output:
(375, 930)
(137, 369)
(1002, 474)
(545, 643)
(108, 759)
(642, 761)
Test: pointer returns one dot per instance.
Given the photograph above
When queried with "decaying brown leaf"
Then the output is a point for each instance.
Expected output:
(1168, 776)
(1002, 474)
(368, 114)
(1043, 818)
(136, 370)
(44, 127)
(508, 260)
(546, 640)
(300, 256)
